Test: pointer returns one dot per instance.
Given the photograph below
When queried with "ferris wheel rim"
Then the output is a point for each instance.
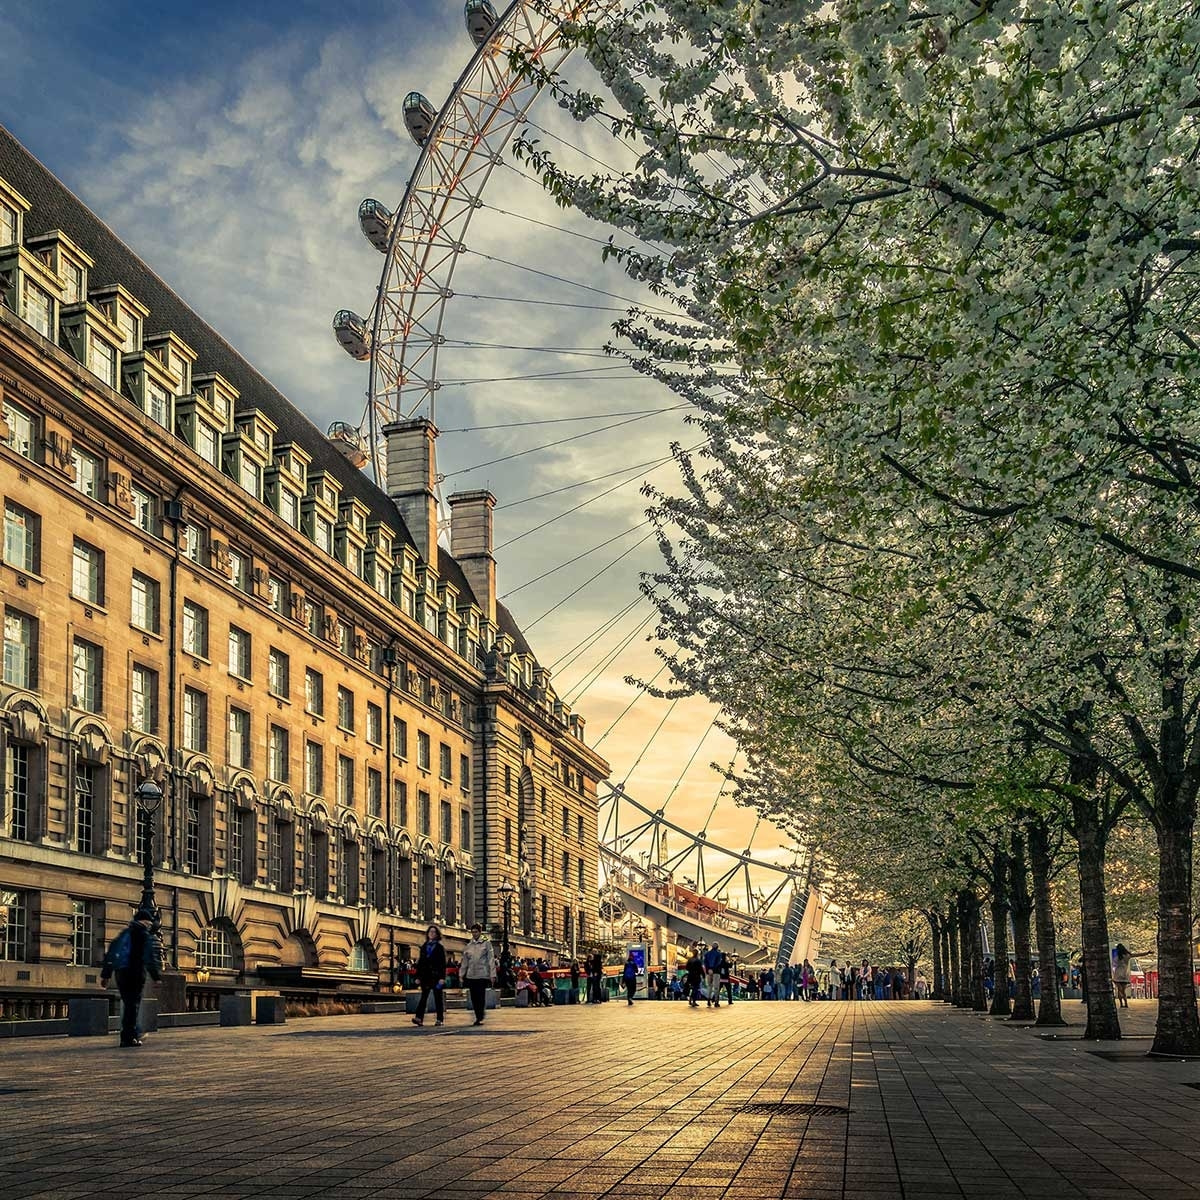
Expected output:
(489, 103)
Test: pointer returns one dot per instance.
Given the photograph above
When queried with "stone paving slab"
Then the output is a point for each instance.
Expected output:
(640, 1103)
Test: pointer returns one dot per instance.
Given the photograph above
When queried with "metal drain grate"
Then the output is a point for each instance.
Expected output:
(786, 1109)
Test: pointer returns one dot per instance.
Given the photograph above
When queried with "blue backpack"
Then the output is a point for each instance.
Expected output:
(118, 953)
(121, 949)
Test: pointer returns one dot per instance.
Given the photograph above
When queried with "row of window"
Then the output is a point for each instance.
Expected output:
(415, 598)
(22, 551)
(21, 809)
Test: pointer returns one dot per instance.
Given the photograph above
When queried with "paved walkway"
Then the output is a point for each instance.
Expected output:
(638, 1103)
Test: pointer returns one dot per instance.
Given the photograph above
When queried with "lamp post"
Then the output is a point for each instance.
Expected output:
(149, 797)
(506, 892)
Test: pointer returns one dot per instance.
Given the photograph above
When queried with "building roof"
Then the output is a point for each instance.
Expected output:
(54, 206)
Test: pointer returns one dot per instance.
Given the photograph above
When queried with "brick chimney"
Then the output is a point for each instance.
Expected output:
(471, 544)
(411, 477)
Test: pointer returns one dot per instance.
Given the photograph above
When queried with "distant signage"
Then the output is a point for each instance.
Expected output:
(639, 956)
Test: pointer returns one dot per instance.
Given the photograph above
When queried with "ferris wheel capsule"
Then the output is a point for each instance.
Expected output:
(375, 220)
(352, 334)
(349, 440)
(419, 116)
(481, 20)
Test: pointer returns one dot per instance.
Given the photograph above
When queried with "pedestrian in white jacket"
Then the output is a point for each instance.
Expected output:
(478, 969)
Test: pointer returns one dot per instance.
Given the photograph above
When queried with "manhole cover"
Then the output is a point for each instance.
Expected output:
(785, 1109)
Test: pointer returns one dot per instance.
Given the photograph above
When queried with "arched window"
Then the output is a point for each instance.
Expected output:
(362, 956)
(217, 948)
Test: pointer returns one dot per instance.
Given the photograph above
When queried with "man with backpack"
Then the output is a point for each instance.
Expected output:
(133, 954)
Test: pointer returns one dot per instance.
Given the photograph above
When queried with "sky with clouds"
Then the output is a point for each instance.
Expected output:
(230, 144)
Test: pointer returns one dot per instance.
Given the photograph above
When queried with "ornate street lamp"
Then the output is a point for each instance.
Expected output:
(149, 798)
(506, 892)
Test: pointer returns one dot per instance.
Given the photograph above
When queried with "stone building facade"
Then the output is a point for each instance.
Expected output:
(352, 736)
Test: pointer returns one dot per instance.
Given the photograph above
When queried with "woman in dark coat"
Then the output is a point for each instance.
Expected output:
(695, 968)
(431, 975)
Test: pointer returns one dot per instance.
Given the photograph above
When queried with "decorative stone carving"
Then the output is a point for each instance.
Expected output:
(93, 746)
(200, 783)
(26, 726)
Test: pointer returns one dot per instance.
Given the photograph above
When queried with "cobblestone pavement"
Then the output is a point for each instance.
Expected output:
(638, 1102)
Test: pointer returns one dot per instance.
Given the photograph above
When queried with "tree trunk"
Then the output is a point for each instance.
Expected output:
(1102, 1021)
(935, 935)
(1050, 1007)
(1021, 906)
(970, 952)
(950, 970)
(954, 979)
(1001, 1006)
(964, 952)
(1178, 1029)
(978, 996)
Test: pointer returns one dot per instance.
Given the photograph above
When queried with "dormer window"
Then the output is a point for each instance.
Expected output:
(289, 507)
(37, 308)
(131, 323)
(175, 355)
(158, 404)
(71, 274)
(125, 312)
(178, 365)
(248, 476)
(323, 533)
(206, 442)
(102, 360)
(10, 224)
(383, 581)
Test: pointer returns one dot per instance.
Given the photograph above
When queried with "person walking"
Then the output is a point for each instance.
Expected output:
(712, 974)
(629, 974)
(477, 970)
(695, 968)
(574, 996)
(431, 975)
(835, 980)
(1122, 971)
(726, 974)
(595, 975)
(785, 982)
(132, 955)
